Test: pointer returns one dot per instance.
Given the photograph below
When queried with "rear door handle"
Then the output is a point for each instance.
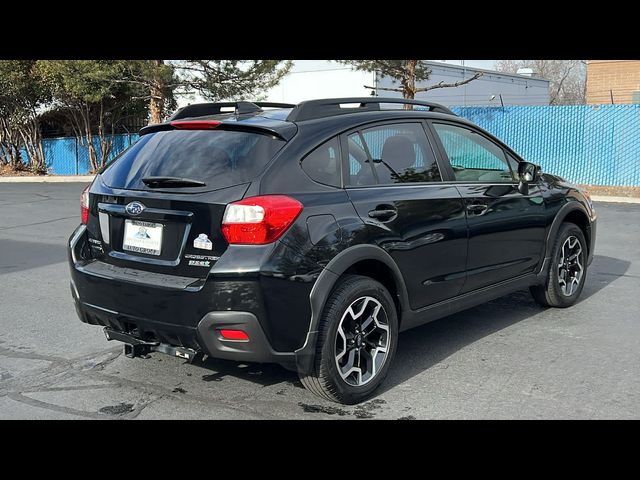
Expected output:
(383, 214)
(477, 208)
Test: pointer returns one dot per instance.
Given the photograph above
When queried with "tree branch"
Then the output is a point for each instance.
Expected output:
(447, 85)
(383, 88)
(552, 100)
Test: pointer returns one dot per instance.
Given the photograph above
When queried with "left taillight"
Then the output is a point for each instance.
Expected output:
(259, 220)
(84, 205)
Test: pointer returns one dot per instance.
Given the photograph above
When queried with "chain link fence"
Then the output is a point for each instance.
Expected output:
(67, 155)
(586, 144)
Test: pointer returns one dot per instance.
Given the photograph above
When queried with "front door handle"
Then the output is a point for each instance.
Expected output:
(383, 213)
(477, 208)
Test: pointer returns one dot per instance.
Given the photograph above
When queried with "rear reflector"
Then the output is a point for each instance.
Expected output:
(195, 124)
(84, 205)
(234, 335)
(259, 220)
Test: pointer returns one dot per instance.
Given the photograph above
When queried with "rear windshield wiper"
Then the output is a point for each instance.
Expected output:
(171, 182)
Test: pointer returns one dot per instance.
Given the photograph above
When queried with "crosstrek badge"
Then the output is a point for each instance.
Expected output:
(203, 242)
(199, 263)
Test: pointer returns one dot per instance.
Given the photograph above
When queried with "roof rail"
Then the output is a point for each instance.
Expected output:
(215, 108)
(329, 107)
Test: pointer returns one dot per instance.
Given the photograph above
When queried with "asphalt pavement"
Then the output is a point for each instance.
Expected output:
(505, 359)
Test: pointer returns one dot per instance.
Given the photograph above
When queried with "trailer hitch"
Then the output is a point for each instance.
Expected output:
(136, 347)
(133, 350)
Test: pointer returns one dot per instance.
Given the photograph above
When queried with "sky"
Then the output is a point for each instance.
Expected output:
(309, 79)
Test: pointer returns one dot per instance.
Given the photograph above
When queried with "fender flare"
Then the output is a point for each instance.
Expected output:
(323, 287)
(562, 213)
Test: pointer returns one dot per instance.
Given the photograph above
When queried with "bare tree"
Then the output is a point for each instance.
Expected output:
(407, 72)
(22, 94)
(567, 78)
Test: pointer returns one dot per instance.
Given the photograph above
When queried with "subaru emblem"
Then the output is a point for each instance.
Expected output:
(134, 208)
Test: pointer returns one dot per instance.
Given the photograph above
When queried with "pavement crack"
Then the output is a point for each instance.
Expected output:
(71, 389)
(18, 397)
(85, 362)
(189, 397)
(138, 410)
(6, 352)
(36, 223)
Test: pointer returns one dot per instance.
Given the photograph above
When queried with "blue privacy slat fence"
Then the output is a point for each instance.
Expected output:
(66, 156)
(590, 144)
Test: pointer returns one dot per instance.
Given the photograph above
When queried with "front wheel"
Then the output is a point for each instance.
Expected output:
(358, 335)
(568, 269)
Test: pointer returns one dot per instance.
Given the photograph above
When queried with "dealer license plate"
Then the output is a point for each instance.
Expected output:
(142, 237)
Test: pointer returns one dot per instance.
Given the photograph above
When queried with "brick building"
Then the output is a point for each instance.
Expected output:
(613, 79)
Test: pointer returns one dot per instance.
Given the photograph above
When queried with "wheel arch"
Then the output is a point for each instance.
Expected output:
(368, 260)
(572, 212)
(581, 219)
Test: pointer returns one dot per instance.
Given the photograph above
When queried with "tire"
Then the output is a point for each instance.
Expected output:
(553, 293)
(354, 294)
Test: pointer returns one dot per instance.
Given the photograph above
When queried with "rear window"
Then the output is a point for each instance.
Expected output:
(219, 158)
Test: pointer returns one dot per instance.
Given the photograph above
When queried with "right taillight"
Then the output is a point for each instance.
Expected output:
(259, 220)
(84, 205)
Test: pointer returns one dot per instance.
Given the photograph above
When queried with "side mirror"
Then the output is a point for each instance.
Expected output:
(527, 173)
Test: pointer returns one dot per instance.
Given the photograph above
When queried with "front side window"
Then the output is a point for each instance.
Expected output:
(388, 154)
(473, 157)
(513, 163)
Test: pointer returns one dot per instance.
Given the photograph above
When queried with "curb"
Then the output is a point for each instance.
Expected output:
(48, 179)
(602, 198)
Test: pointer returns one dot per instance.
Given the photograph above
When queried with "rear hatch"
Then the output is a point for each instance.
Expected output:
(158, 207)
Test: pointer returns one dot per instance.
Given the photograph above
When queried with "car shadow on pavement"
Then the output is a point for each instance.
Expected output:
(23, 255)
(427, 346)
(602, 271)
(264, 374)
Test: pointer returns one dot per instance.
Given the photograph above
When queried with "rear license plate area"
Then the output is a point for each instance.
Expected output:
(142, 237)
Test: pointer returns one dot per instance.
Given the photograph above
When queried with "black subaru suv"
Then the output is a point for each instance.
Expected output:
(309, 235)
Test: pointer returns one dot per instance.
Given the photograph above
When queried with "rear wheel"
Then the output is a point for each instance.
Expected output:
(357, 341)
(568, 269)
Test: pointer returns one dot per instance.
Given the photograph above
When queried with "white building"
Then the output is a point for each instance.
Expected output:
(309, 79)
(490, 89)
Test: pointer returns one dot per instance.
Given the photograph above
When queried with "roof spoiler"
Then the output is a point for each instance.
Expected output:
(215, 108)
(329, 107)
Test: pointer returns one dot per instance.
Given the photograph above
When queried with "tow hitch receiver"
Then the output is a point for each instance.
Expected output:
(135, 347)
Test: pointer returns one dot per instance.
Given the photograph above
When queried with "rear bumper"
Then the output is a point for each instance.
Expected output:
(204, 337)
(181, 312)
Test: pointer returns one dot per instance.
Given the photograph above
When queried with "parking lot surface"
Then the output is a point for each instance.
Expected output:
(506, 359)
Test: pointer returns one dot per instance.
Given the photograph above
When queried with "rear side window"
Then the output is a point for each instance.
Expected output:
(323, 164)
(218, 158)
(399, 153)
